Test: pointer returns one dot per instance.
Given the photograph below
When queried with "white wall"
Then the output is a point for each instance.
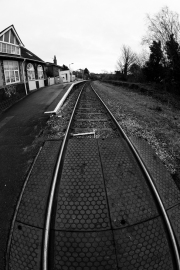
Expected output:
(51, 81)
(58, 80)
(32, 85)
(65, 75)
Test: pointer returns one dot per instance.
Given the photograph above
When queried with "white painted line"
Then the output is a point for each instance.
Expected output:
(63, 99)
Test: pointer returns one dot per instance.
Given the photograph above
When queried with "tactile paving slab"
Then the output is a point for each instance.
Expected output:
(33, 204)
(143, 246)
(82, 201)
(174, 217)
(165, 185)
(25, 250)
(84, 251)
(130, 200)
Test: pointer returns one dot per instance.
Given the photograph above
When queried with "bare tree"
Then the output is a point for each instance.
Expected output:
(119, 65)
(162, 26)
(142, 58)
(126, 59)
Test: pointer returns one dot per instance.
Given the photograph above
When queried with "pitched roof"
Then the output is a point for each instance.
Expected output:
(25, 53)
(2, 32)
(52, 64)
(15, 32)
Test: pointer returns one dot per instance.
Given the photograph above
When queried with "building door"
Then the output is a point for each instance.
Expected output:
(31, 77)
(40, 76)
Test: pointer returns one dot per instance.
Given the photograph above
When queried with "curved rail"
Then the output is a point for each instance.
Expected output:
(158, 198)
(54, 181)
(144, 169)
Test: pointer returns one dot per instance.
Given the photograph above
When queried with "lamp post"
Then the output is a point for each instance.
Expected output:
(70, 65)
(70, 71)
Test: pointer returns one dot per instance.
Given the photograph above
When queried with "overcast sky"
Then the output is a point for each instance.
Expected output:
(88, 33)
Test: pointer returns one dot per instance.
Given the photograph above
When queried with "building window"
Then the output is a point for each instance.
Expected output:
(40, 72)
(8, 48)
(30, 72)
(4, 47)
(12, 49)
(17, 50)
(11, 72)
(6, 37)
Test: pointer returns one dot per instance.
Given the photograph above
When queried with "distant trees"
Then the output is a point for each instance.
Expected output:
(135, 73)
(161, 26)
(86, 74)
(153, 68)
(86, 71)
(105, 75)
(173, 59)
(93, 76)
(82, 73)
(136, 70)
(142, 57)
(163, 38)
(161, 63)
(126, 60)
(164, 64)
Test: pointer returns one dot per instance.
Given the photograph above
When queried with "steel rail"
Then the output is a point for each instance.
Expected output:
(52, 191)
(151, 182)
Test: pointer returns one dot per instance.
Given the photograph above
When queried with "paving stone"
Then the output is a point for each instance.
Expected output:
(33, 204)
(129, 198)
(84, 251)
(143, 246)
(82, 201)
(174, 216)
(165, 185)
(25, 248)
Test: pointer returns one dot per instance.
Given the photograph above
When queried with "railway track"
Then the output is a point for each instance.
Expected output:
(101, 210)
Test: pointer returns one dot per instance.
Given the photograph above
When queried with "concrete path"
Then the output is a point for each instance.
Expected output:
(19, 127)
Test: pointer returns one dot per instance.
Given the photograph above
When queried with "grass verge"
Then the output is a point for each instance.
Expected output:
(147, 117)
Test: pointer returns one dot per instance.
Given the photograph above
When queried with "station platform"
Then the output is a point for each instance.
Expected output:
(20, 128)
(57, 103)
(104, 215)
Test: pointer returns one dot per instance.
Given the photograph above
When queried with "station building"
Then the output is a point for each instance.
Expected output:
(66, 75)
(58, 74)
(19, 67)
(53, 72)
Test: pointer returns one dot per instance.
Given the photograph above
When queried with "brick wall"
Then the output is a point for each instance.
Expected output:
(6, 102)
(18, 88)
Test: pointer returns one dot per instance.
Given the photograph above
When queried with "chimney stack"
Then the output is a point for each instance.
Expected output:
(55, 60)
